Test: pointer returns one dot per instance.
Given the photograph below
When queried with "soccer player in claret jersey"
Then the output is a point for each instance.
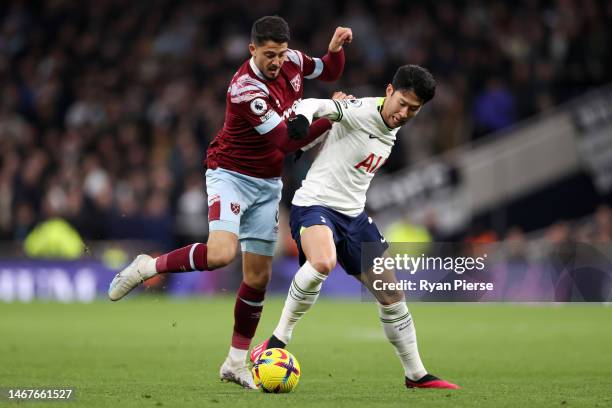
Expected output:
(328, 221)
(243, 178)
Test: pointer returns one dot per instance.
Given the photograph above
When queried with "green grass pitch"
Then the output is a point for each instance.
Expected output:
(149, 351)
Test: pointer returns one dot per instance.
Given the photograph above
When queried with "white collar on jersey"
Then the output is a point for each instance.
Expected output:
(256, 70)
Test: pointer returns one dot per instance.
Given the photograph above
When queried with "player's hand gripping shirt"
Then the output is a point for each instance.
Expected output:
(352, 151)
(256, 107)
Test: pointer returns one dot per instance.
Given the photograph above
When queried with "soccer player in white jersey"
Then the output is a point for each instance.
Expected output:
(328, 221)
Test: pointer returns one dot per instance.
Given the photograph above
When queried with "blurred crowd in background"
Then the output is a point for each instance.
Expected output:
(107, 107)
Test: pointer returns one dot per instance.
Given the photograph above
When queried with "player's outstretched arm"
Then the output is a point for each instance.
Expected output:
(290, 142)
(322, 108)
(330, 66)
(319, 108)
(257, 111)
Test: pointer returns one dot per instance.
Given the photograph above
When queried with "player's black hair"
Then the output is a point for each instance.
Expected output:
(268, 28)
(417, 79)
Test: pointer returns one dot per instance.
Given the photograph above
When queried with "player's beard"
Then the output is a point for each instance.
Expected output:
(272, 74)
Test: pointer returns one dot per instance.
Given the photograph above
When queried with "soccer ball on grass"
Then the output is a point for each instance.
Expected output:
(276, 371)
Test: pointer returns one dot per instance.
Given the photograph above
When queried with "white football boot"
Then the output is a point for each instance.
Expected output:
(238, 373)
(130, 277)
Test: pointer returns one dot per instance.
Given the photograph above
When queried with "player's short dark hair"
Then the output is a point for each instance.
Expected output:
(270, 28)
(417, 79)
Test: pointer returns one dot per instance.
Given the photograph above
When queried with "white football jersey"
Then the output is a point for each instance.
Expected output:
(355, 147)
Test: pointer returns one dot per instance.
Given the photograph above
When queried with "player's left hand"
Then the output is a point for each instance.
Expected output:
(298, 155)
(342, 35)
(341, 95)
(297, 127)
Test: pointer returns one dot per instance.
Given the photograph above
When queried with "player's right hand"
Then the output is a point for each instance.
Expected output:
(297, 127)
(342, 35)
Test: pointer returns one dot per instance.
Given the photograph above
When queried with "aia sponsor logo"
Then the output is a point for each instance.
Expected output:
(235, 207)
(371, 163)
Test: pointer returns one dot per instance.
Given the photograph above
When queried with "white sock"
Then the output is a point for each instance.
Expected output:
(237, 355)
(303, 293)
(399, 329)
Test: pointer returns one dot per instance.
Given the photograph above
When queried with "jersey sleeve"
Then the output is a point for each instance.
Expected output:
(328, 68)
(258, 113)
(250, 100)
(279, 136)
(337, 110)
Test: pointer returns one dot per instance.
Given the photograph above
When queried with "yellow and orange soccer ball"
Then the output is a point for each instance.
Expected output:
(276, 371)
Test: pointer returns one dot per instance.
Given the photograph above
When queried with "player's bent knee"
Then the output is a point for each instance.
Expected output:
(219, 256)
(222, 248)
(220, 259)
(323, 265)
(256, 270)
(259, 282)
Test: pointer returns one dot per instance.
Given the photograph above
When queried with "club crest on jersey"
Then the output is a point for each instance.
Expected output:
(235, 208)
(258, 106)
(296, 83)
